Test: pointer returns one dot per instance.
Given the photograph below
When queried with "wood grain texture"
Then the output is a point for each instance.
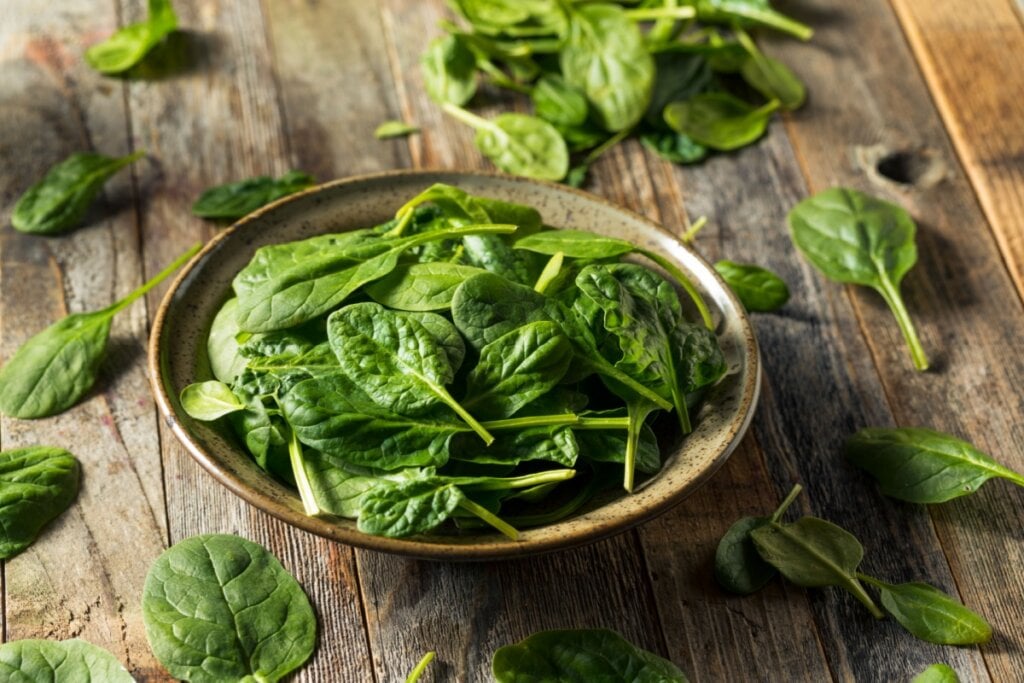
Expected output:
(78, 580)
(215, 117)
(954, 43)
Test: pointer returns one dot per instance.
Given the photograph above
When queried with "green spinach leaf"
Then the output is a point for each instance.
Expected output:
(209, 400)
(129, 45)
(59, 201)
(719, 120)
(218, 607)
(923, 466)
(858, 239)
(449, 71)
(518, 144)
(580, 655)
(37, 484)
(937, 673)
(235, 200)
(675, 147)
(222, 347)
(395, 129)
(66, 661)
(750, 12)
(757, 288)
(930, 614)
(770, 77)
(54, 369)
(421, 286)
(559, 103)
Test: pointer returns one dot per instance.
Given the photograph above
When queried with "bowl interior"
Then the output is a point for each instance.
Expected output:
(178, 356)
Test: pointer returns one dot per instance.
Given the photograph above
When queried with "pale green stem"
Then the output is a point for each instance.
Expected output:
(160, 277)
(891, 294)
(769, 17)
(786, 502)
(532, 421)
(470, 119)
(603, 423)
(301, 477)
(489, 517)
(420, 667)
(550, 272)
(652, 13)
(510, 483)
(877, 613)
(464, 414)
(691, 232)
(685, 283)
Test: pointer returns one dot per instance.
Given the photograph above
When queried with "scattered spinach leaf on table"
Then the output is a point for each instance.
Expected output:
(59, 661)
(449, 71)
(931, 615)
(739, 568)
(53, 370)
(770, 77)
(854, 238)
(218, 607)
(129, 45)
(231, 201)
(923, 466)
(719, 120)
(757, 288)
(37, 484)
(395, 129)
(937, 673)
(59, 201)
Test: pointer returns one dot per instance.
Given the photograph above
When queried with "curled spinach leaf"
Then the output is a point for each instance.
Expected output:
(37, 484)
(757, 288)
(449, 71)
(48, 661)
(719, 120)
(129, 45)
(930, 614)
(209, 400)
(232, 201)
(59, 201)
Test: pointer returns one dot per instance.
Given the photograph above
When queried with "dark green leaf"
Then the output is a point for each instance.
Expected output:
(581, 656)
(414, 507)
(854, 238)
(394, 129)
(750, 13)
(757, 288)
(67, 661)
(59, 201)
(678, 77)
(719, 120)
(421, 286)
(129, 45)
(235, 200)
(675, 147)
(37, 484)
(218, 607)
(575, 244)
(923, 466)
(931, 615)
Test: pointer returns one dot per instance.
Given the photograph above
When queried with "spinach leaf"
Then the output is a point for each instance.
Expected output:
(396, 360)
(923, 466)
(930, 614)
(770, 77)
(48, 661)
(675, 147)
(37, 484)
(285, 293)
(575, 244)
(449, 71)
(551, 443)
(395, 129)
(59, 201)
(339, 489)
(420, 286)
(232, 201)
(812, 553)
(854, 238)
(516, 368)
(757, 288)
(605, 57)
(129, 45)
(580, 655)
(678, 77)
(222, 347)
(739, 568)
(750, 12)
(559, 103)
(937, 673)
(518, 144)
(56, 367)
(598, 441)
(719, 120)
(218, 607)
(209, 400)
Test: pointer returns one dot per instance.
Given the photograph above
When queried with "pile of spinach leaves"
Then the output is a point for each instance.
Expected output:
(459, 362)
(684, 76)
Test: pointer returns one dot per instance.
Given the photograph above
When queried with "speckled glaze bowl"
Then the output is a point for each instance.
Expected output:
(177, 357)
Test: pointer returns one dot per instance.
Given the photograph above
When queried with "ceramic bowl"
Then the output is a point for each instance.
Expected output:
(177, 357)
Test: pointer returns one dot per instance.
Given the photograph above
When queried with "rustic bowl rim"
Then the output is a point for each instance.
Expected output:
(436, 550)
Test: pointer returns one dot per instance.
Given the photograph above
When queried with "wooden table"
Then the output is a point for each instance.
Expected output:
(933, 87)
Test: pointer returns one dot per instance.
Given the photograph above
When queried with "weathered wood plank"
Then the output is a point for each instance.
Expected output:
(215, 120)
(78, 580)
(960, 295)
(969, 54)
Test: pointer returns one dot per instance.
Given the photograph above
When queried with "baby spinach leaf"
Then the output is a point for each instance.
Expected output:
(930, 614)
(575, 244)
(518, 144)
(750, 12)
(209, 400)
(516, 368)
(288, 293)
(600, 443)
(739, 568)
(421, 286)
(449, 71)
(129, 45)
(757, 288)
(551, 443)
(218, 607)
(232, 201)
(339, 489)
(396, 360)
(394, 129)
(55, 368)
(675, 147)
(719, 120)
(937, 673)
(770, 77)
(923, 466)
(678, 77)
(559, 103)
(222, 347)
(414, 507)
(37, 484)
(605, 57)
(580, 655)
(48, 661)
(812, 553)
(421, 666)
(858, 239)
(59, 201)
